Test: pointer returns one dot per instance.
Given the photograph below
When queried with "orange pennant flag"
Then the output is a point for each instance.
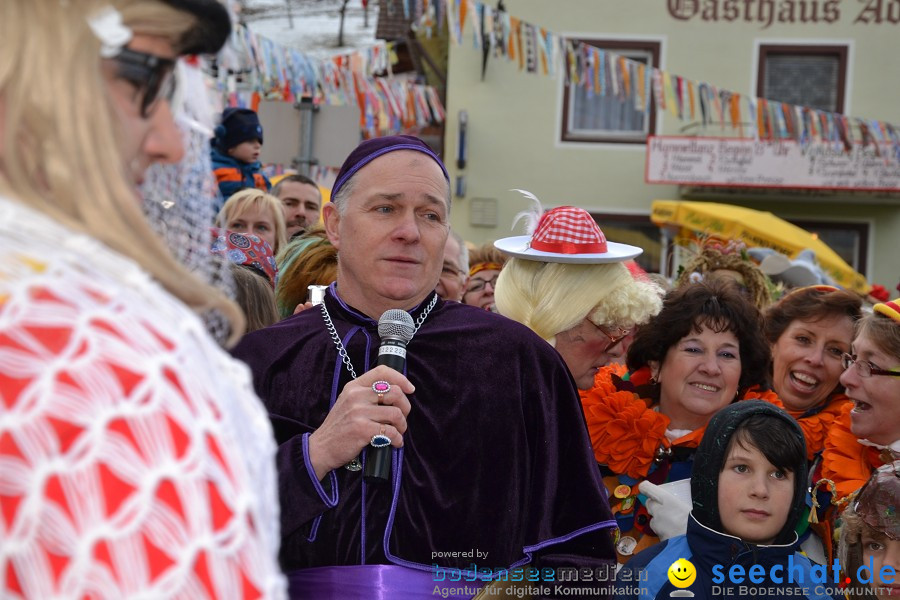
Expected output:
(690, 93)
(543, 51)
(623, 66)
(736, 112)
(463, 8)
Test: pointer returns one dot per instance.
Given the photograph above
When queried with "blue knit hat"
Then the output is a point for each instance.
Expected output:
(238, 125)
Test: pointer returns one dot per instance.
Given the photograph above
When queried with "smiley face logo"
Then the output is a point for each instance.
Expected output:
(682, 573)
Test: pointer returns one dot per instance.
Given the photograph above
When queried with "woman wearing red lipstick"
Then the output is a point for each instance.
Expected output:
(810, 329)
(703, 351)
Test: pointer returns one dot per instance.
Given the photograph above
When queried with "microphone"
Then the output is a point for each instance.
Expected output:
(396, 329)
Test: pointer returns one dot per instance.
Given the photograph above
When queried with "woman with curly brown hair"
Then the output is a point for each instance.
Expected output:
(703, 351)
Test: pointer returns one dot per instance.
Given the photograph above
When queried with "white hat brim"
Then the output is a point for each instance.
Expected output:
(519, 247)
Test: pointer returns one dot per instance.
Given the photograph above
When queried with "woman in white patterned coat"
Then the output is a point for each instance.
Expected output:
(135, 459)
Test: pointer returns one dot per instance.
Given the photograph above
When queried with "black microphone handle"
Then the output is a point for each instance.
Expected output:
(378, 460)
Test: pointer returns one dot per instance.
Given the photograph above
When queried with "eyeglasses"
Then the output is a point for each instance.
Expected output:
(476, 284)
(865, 368)
(614, 338)
(151, 75)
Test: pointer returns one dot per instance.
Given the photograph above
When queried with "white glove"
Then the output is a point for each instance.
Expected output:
(670, 513)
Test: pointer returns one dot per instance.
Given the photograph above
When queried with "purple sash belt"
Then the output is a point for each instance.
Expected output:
(373, 582)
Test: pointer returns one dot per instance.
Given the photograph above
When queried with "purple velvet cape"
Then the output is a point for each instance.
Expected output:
(496, 458)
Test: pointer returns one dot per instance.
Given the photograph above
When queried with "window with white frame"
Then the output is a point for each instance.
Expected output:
(589, 116)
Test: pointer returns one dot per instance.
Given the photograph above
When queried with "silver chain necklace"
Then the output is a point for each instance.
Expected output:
(355, 464)
(342, 352)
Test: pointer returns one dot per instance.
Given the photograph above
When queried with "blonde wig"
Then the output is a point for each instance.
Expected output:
(251, 198)
(550, 298)
(60, 144)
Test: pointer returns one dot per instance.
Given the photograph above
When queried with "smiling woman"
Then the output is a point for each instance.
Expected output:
(810, 329)
(703, 351)
(866, 434)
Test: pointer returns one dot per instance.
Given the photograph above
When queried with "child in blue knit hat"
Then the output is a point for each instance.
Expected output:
(235, 152)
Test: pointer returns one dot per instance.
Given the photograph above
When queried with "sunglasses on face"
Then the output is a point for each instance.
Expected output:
(153, 77)
(865, 368)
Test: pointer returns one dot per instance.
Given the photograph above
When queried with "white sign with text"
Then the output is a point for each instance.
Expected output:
(770, 164)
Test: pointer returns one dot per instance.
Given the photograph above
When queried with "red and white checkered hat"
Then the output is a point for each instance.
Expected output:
(567, 234)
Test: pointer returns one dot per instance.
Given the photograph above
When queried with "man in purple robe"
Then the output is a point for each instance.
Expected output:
(491, 462)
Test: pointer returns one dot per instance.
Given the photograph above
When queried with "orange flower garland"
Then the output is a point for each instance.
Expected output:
(845, 461)
(625, 431)
(815, 427)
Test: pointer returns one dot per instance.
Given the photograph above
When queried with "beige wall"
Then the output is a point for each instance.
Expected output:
(515, 117)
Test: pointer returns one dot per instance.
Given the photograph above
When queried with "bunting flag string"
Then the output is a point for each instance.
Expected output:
(254, 68)
(602, 72)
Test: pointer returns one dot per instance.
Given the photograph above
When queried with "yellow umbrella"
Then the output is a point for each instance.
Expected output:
(756, 228)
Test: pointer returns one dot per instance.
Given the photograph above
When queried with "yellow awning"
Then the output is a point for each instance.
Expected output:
(756, 228)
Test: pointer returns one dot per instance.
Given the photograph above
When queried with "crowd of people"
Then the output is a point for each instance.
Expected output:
(268, 395)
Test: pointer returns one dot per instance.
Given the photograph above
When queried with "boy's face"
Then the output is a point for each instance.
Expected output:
(884, 552)
(247, 152)
(754, 496)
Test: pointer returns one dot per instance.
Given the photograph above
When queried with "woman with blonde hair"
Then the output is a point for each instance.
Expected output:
(254, 211)
(569, 285)
(135, 458)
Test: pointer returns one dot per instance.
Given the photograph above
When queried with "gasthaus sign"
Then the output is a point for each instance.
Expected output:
(770, 164)
(765, 13)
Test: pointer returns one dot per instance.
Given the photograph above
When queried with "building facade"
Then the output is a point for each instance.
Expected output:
(510, 128)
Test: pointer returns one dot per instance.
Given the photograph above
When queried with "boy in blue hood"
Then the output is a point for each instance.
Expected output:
(235, 153)
(748, 486)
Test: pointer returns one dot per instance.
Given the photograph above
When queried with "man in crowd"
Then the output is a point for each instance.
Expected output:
(301, 200)
(455, 270)
(491, 464)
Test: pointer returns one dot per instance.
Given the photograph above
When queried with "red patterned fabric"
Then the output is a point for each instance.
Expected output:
(568, 230)
(135, 460)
